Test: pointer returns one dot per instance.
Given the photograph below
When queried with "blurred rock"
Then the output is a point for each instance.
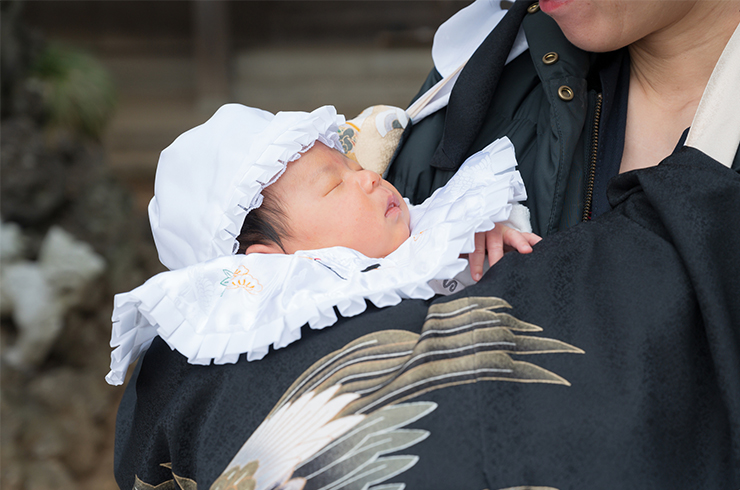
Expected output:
(48, 475)
(40, 293)
(32, 188)
(18, 46)
(73, 433)
(36, 314)
(11, 476)
(11, 250)
(11, 243)
(69, 265)
(69, 240)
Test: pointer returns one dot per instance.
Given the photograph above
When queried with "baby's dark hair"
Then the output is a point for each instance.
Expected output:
(266, 225)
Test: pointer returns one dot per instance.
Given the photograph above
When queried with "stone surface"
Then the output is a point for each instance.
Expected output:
(41, 293)
(36, 314)
(70, 239)
(48, 475)
(11, 243)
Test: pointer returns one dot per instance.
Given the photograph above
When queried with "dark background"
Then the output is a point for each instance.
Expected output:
(174, 62)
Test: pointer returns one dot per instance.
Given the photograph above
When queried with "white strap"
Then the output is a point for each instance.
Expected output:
(716, 126)
(454, 42)
(440, 91)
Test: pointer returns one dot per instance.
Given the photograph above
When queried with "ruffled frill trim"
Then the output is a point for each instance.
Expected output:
(212, 312)
(287, 136)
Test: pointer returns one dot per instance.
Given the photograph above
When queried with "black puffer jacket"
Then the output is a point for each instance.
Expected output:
(555, 136)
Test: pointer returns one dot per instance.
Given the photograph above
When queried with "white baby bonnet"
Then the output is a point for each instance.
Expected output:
(216, 310)
(211, 176)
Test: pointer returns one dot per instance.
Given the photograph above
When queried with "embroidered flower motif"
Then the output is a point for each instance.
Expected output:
(416, 236)
(241, 279)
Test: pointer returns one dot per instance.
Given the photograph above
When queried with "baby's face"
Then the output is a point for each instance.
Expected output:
(331, 201)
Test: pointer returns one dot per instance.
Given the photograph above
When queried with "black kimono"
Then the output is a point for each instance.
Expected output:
(607, 358)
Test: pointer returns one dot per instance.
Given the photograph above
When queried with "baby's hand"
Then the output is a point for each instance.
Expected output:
(496, 242)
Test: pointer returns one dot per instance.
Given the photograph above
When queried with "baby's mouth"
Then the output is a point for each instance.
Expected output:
(393, 205)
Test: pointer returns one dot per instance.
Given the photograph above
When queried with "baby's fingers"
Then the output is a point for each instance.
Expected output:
(495, 243)
(531, 238)
(477, 257)
(521, 242)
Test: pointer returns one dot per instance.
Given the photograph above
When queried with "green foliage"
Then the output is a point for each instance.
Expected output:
(78, 91)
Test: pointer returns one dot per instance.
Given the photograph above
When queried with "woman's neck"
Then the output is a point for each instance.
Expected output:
(668, 72)
(676, 62)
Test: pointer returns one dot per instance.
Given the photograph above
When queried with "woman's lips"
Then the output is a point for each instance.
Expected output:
(549, 6)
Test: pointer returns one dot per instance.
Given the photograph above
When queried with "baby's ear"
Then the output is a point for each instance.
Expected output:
(259, 248)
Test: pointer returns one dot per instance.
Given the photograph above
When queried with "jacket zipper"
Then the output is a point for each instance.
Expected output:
(588, 202)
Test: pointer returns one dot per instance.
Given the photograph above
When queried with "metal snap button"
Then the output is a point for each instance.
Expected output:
(566, 93)
(534, 8)
(550, 58)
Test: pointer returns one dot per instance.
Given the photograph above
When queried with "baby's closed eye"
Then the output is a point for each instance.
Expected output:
(332, 186)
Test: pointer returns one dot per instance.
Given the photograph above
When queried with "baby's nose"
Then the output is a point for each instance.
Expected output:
(368, 179)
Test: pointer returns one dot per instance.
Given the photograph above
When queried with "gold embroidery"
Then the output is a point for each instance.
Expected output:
(140, 485)
(185, 483)
(356, 398)
(179, 482)
(462, 341)
(237, 478)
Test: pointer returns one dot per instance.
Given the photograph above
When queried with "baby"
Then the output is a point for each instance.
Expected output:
(242, 201)
(322, 200)
(325, 199)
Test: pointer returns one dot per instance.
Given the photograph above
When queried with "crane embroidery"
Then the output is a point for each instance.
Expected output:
(342, 422)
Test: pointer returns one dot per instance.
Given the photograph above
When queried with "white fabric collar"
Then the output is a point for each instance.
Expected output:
(237, 304)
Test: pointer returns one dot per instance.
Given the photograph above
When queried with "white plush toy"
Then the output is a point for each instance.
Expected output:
(371, 138)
